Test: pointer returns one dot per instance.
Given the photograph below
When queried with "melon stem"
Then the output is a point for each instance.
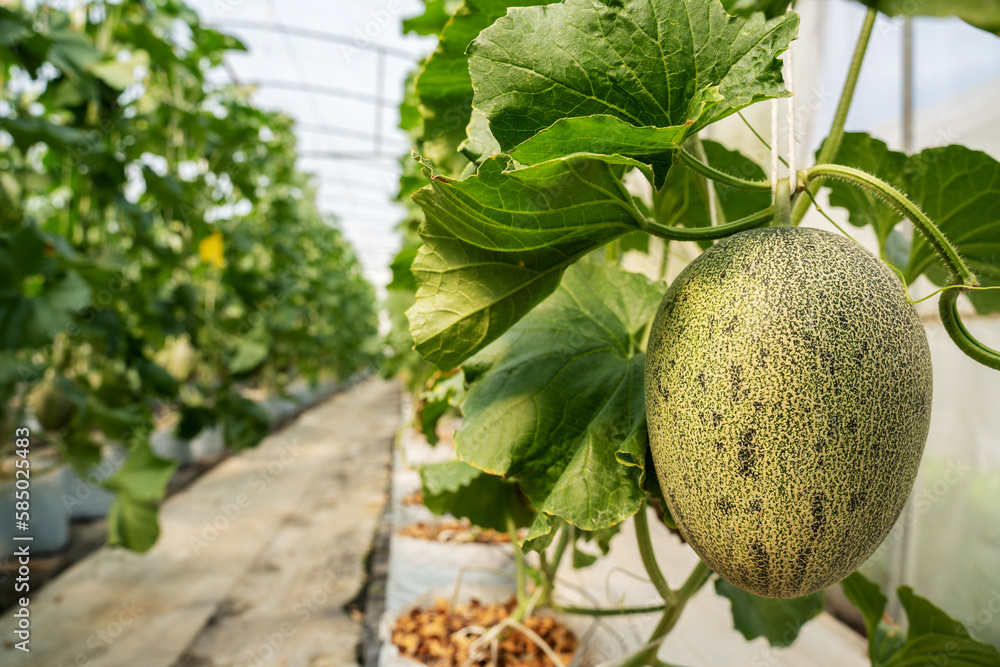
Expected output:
(649, 558)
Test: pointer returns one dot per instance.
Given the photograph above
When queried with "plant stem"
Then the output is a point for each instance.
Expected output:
(549, 568)
(959, 271)
(711, 172)
(782, 204)
(758, 219)
(522, 596)
(664, 259)
(699, 575)
(615, 611)
(948, 307)
(648, 557)
(831, 145)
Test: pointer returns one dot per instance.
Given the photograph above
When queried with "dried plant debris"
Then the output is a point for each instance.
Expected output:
(453, 530)
(415, 498)
(443, 637)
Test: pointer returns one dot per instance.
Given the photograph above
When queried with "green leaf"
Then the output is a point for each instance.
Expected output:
(959, 189)
(778, 620)
(581, 343)
(497, 243)
(120, 74)
(457, 488)
(245, 422)
(648, 64)
(436, 14)
(883, 639)
(251, 352)
(143, 476)
(771, 8)
(984, 14)
(685, 204)
(947, 650)
(604, 135)
(927, 619)
(444, 86)
(934, 638)
(53, 309)
(861, 151)
(133, 523)
(446, 393)
(867, 597)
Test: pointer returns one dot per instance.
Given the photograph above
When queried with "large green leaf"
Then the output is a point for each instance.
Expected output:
(132, 523)
(144, 475)
(564, 393)
(648, 64)
(444, 86)
(496, 244)
(778, 620)
(983, 14)
(457, 488)
(140, 485)
(883, 639)
(432, 21)
(770, 8)
(862, 151)
(934, 638)
(959, 189)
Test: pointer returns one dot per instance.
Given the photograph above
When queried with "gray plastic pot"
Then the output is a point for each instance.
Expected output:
(48, 518)
(167, 445)
(208, 444)
(84, 497)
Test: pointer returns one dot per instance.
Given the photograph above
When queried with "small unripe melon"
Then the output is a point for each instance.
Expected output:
(788, 395)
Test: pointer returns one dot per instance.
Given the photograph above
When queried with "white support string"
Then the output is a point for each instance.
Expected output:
(790, 79)
(774, 146)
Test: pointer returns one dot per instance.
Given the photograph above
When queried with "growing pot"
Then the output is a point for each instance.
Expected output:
(418, 566)
(167, 445)
(210, 443)
(84, 497)
(598, 641)
(48, 516)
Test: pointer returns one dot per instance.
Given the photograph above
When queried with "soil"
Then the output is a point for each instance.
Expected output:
(440, 637)
(452, 530)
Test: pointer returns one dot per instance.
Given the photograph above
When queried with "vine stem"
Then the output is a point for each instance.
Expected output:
(655, 228)
(956, 265)
(711, 172)
(671, 614)
(649, 559)
(610, 611)
(522, 596)
(831, 145)
(961, 276)
(948, 308)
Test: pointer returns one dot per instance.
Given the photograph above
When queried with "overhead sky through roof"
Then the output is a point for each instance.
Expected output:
(322, 62)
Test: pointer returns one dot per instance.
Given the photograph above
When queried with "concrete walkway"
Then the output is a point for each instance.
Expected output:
(255, 561)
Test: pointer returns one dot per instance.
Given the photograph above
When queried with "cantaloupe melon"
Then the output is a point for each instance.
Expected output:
(788, 395)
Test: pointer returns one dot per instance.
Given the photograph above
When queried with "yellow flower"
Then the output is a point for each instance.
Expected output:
(210, 250)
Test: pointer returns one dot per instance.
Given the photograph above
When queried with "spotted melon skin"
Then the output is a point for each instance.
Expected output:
(788, 397)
